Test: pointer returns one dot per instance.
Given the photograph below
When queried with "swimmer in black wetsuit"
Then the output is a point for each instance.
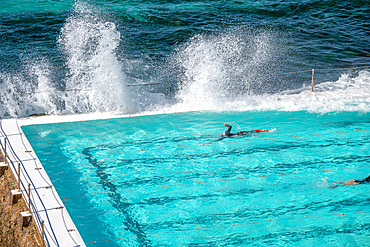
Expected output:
(241, 133)
(363, 181)
(353, 182)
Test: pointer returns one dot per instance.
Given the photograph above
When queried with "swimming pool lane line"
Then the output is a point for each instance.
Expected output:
(232, 225)
(236, 178)
(111, 163)
(120, 161)
(54, 214)
(114, 161)
(241, 141)
(217, 181)
(238, 141)
(203, 172)
(117, 201)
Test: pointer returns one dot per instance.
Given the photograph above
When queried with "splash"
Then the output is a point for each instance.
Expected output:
(348, 93)
(217, 68)
(94, 81)
(17, 97)
(90, 43)
(236, 71)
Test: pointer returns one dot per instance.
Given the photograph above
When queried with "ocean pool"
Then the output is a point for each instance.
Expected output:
(167, 179)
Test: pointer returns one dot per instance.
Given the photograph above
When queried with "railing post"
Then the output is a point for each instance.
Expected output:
(42, 234)
(249, 85)
(19, 177)
(3, 166)
(313, 71)
(29, 197)
(5, 151)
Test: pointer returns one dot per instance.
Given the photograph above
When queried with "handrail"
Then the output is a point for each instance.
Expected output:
(24, 172)
(21, 184)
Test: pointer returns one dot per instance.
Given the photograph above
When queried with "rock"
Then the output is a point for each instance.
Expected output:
(11, 234)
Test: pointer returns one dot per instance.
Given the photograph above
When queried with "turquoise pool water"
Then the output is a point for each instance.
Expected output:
(160, 180)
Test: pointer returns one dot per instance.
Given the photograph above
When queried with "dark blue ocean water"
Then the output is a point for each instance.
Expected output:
(97, 49)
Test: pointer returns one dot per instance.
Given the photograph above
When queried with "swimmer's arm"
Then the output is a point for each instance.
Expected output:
(264, 130)
(350, 182)
(221, 138)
